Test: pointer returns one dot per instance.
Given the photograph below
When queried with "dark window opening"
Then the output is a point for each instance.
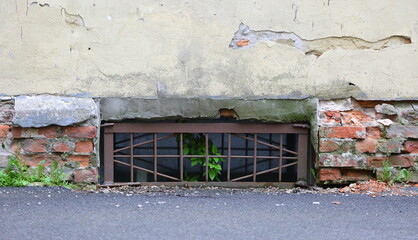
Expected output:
(204, 152)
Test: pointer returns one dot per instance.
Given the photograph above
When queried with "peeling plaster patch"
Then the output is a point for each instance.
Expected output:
(247, 38)
(72, 19)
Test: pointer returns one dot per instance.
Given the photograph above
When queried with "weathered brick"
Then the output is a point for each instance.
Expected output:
(390, 146)
(85, 175)
(34, 160)
(367, 145)
(375, 161)
(34, 145)
(402, 131)
(80, 132)
(17, 132)
(342, 132)
(356, 117)
(332, 117)
(84, 147)
(367, 104)
(329, 174)
(356, 174)
(242, 43)
(341, 160)
(61, 147)
(328, 145)
(49, 132)
(4, 130)
(373, 132)
(411, 146)
(83, 160)
(401, 160)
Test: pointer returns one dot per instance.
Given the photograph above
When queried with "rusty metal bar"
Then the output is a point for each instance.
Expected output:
(132, 157)
(181, 157)
(228, 128)
(207, 156)
(246, 153)
(149, 171)
(267, 144)
(203, 127)
(108, 158)
(303, 156)
(211, 156)
(146, 142)
(255, 158)
(281, 158)
(155, 157)
(262, 172)
(229, 157)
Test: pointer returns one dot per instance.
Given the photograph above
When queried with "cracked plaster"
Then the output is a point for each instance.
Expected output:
(181, 49)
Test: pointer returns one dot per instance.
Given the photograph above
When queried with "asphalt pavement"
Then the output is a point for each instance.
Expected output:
(57, 213)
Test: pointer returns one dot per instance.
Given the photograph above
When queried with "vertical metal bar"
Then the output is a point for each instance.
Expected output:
(255, 158)
(132, 157)
(246, 153)
(155, 157)
(108, 158)
(222, 145)
(281, 158)
(229, 158)
(207, 156)
(302, 156)
(181, 157)
(270, 149)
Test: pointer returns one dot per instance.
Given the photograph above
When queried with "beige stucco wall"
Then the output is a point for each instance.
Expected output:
(109, 48)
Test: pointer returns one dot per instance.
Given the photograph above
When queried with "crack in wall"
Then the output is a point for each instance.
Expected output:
(247, 38)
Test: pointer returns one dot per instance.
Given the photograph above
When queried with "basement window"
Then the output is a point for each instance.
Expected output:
(204, 152)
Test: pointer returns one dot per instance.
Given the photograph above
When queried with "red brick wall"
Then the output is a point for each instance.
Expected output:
(74, 147)
(356, 136)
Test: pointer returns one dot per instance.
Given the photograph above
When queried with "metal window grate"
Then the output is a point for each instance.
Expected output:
(154, 148)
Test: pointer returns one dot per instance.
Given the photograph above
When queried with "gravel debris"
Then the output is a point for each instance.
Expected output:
(371, 187)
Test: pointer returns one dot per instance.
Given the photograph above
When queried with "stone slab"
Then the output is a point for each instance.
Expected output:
(45, 110)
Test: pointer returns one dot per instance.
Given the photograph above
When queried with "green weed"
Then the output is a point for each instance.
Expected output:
(18, 174)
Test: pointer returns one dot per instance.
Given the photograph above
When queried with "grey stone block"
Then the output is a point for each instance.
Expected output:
(45, 110)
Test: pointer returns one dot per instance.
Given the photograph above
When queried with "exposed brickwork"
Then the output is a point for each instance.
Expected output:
(329, 174)
(85, 175)
(368, 145)
(61, 147)
(80, 132)
(342, 132)
(328, 145)
(34, 146)
(4, 130)
(49, 132)
(72, 147)
(356, 175)
(375, 130)
(375, 161)
(411, 146)
(84, 147)
(84, 161)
